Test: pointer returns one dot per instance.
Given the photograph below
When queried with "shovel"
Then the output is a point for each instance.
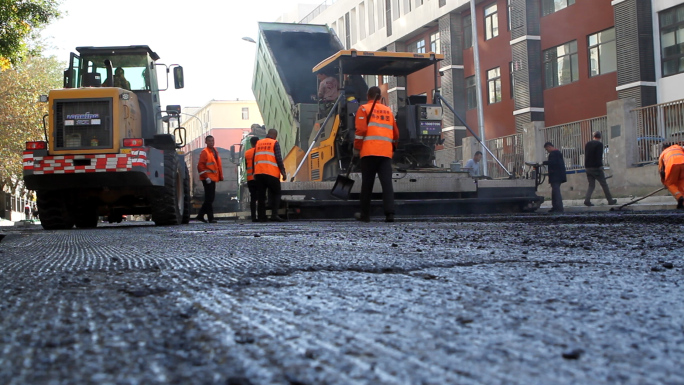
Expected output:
(343, 185)
(637, 200)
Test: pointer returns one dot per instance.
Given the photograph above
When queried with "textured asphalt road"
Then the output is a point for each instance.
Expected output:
(532, 299)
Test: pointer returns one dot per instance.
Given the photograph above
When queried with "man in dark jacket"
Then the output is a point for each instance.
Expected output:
(556, 166)
(593, 164)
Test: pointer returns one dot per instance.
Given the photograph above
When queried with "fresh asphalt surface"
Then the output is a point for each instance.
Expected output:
(588, 298)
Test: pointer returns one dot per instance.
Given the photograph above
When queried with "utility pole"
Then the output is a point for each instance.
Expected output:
(478, 88)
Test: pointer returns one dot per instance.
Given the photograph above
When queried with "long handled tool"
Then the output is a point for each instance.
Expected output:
(343, 185)
(637, 200)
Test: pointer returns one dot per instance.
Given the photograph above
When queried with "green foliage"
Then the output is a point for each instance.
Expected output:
(18, 19)
(21, 114)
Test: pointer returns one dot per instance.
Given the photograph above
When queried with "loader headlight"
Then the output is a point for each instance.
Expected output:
(125, 96)
(43, 98)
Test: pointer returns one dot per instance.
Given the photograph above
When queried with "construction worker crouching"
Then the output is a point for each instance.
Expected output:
(210, 172)
(252, 184)
(375, 141)
(671, 168)
(268, 167)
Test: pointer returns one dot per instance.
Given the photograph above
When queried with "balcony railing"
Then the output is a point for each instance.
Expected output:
(570, 139)
(657, 124)
(317, 11)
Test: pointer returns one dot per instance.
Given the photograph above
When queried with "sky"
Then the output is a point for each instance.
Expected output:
(203, 36)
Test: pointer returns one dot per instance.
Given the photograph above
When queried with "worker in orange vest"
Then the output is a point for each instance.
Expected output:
(252, 185)
(671, 168)
(268, 167)
(210, 172)
(375, 141)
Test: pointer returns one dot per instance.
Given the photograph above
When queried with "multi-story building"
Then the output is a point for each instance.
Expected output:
(555, 61)
(227, 120)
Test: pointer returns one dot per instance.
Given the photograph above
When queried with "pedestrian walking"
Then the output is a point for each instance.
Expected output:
(375, 141)
(671, 168)
(210, 172)
(593, 164)
(27, 212)
(268, 167)
(252, 184)
(556, 167)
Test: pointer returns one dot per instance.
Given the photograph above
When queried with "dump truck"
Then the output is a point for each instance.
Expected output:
(319, 147)
(110, 149)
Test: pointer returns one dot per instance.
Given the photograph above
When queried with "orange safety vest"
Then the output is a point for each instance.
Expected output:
(264, 158)
(249, 163)
(670, 156)
(209, 166)
(376, 135)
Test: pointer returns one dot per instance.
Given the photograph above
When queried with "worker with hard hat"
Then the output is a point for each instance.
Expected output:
(671, 168)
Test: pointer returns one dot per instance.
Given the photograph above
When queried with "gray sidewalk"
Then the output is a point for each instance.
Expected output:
(656, 202)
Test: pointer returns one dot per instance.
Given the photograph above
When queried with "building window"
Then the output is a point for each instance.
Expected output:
(491, 22)
(471, 92)
(551, 6)
(602, 53)
(245, 113)
(417, 46)
(672, 40)
(494, 85)
(560, 65)
(511, 82)
(467, 32)
(434, 43)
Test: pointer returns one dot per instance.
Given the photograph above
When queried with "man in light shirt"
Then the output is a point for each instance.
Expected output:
(473, 165)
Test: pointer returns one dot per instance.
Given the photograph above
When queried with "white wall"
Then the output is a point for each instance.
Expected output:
(669, 88)
(403, 26)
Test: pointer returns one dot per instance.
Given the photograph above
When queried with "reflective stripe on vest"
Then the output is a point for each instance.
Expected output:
(265, 161)
(379, 135)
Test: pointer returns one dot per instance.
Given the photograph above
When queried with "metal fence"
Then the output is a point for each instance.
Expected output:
(657, 124)
(570, 139)
(509, 151)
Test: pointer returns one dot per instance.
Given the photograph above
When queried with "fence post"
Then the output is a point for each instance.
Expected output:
(622, 135)
(533, 142)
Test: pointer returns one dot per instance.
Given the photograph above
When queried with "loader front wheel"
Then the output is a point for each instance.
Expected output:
(169, 201)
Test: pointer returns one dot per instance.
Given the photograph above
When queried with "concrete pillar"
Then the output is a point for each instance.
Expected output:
(397, 85)
(621, 139)
(533, 142)
(470, 146)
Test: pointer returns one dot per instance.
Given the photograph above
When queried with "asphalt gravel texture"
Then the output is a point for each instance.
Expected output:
(526, 299)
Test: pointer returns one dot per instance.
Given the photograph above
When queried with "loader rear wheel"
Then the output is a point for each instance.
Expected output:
(186, 195)
(52, 211)
(169, 201)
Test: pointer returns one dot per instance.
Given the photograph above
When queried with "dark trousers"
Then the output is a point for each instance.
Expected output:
(556, 198)
(208, 205)
(593, 175)
(253, 187)
(382, 166)
(272, 184)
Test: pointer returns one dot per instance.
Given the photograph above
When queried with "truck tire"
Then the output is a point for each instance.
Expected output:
(186, 195)
(53, 212)
(168, 202)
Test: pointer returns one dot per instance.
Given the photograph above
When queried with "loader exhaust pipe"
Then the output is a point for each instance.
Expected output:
(110, 79)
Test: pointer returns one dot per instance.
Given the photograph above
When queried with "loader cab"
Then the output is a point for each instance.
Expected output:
(104, 67)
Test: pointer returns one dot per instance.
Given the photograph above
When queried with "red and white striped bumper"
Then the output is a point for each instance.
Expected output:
(64, 164)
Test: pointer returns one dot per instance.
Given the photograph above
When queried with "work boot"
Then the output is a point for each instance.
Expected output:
(612, 202)
(680, 203)
(389, 218)
(213, 221)
(361, 217)
(277, 218)
(588, 203)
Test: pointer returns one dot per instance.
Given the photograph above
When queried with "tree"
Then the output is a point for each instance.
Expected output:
(18, 19)
(22, 113)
